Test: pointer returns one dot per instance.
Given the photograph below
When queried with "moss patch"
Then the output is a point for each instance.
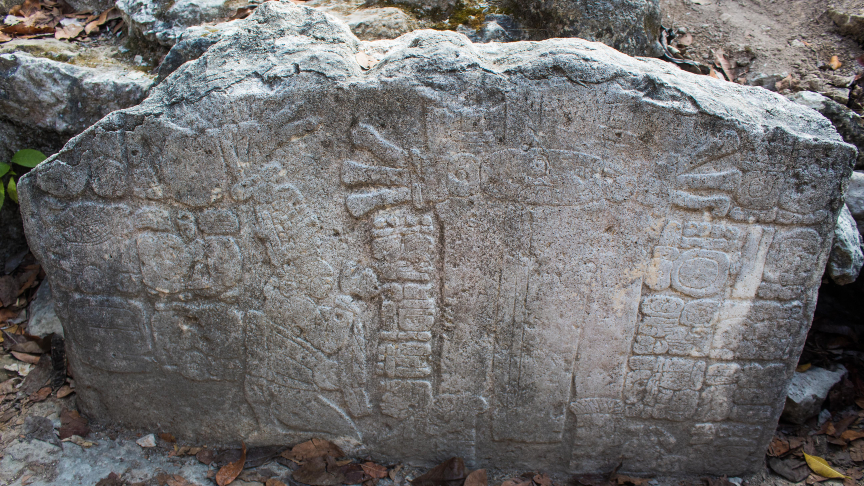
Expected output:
(471, 13)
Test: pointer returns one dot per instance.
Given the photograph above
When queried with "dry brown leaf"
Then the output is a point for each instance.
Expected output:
(27, 358)
(685, 40)
(778, 447)
(320, 471)
(229, 472)
(167, 437)
(8, 386)
(856, 451)
(542, 479)
(477, 478)
(835, 63)
(41, 395)
(814, 478)
(67, 31)
(72, 423)
(313, 448)
(373, 470)
(206, 456)
(4, 38)
(449, 473)
(517, 482)
(65, 391)
(720, 60)
(364, 60)
(274, 482)
(802, 368)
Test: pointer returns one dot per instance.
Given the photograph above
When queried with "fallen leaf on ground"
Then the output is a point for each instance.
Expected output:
(376, 471)
(230, 471)
(22, 369)
(802, 368)
(26, 346)
(65, 391)
(778, 447)
(718, 482)
(78, 440)
(320, 471)
(449, 473)
(685, 40)
(9, 385)
(723, 63)
(72, 423)
(835, 63)
(815, 478)
(477, 478)
(274, 482)
(206, 456)
(111, 480)
(41, 395)
(822, 468)
(791, 468)
(631, 481)
(68, 31)
(27, 358)
(167, 437)
(313, 448)
(856, 451)
(258, 456)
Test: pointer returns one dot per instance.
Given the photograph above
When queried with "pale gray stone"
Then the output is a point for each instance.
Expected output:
(631, 26)
(855, 198)
(43, 103)
(161, 22)
(368, 22)
(543, 253)
(807, 392)
(43, 318)
(849, 124)
(849, 17)
(846, 259)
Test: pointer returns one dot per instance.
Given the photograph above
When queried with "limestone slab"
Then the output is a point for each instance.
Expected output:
(546, 255)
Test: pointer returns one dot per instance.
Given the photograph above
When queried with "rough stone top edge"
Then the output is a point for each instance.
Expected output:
(279, 27)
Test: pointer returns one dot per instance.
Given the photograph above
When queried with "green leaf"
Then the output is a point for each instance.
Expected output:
(2, 196)
(28, 158)
(12, 190)
(4, 168)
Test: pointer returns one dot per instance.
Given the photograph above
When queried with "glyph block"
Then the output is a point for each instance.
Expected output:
(547, 255)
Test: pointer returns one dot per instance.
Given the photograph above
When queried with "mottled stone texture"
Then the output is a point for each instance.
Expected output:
(533, 255)
(631, 26)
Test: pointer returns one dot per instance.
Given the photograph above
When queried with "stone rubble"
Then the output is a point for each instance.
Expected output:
(855, 198)
(47, 102)
(631, 26)
(846, 259)
(43, 318)
(849, 124)
(807, 391)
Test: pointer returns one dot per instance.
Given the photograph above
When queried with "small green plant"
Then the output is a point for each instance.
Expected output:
(21, 163)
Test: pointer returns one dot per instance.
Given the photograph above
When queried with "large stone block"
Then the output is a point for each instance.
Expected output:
(631, 26)
(548, 255)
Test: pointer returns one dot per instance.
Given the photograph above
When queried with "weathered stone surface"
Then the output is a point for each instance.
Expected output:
(846, 259)
(849, 124)
(43, 318)
(495, 28)
(631, 26)
(849, 17)
(855, 198)
(527, 253)
(161, 22)
(43, 103)
(366, 22)
(807, 392)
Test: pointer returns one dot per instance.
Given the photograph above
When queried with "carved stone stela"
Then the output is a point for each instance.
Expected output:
(542, 254)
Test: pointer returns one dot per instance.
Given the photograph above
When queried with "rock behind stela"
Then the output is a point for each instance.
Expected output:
(546, 255)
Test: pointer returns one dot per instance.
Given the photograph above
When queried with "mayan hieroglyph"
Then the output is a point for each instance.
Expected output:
(538, 253)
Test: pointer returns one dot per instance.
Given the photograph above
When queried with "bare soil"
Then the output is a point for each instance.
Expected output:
(770, 37)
